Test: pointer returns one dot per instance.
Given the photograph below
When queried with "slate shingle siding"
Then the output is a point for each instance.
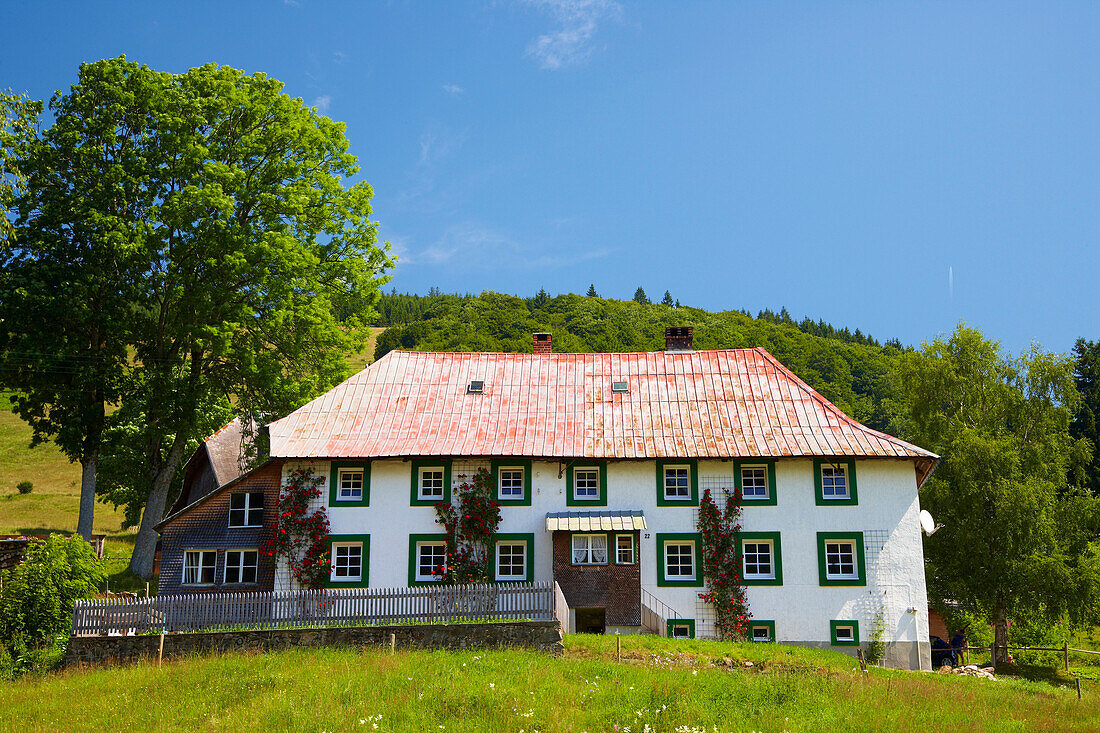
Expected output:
(615, 588)
(199, 480)
(206, 527)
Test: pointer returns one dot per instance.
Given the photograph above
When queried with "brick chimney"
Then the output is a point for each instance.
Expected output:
(542, 343)
(678, 338)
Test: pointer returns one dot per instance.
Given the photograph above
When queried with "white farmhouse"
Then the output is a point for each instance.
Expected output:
(599, 462)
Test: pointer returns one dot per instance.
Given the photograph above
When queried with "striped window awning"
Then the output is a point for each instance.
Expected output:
(594, 521)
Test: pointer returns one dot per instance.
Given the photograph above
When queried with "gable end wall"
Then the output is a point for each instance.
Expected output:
(206, 527)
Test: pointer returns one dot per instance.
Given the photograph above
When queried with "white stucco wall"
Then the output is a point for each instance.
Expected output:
(887, 514)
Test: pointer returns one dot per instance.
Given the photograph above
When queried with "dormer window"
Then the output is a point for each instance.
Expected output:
(476, 386)
(620, 386)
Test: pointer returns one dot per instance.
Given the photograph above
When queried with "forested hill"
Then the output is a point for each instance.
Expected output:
(850, 369)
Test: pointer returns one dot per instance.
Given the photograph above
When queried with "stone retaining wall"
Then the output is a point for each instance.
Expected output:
(543, 636)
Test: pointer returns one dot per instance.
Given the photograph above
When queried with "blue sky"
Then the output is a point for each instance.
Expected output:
(885, 166)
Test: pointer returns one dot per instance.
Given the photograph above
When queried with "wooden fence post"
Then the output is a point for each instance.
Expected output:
(993, 655)
(160, 650)
(618, 647)
(1065, 651)
(393, 643)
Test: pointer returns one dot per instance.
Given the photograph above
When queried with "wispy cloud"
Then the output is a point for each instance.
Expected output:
(577, 20)
(339, 57)
(453, 89)
(399, 248)
(470, 245)
(322, 103)
(438, 143)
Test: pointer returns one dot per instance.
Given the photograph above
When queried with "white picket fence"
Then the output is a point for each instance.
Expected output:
(315, 608)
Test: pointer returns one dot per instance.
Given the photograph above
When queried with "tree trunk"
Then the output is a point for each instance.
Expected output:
(145, 546)
(1000, 641)
(92, 414)
(85, 519)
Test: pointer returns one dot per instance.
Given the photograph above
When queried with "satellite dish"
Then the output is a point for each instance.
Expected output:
(927, 524)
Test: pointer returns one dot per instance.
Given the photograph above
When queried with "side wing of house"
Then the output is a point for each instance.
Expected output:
(213, 544)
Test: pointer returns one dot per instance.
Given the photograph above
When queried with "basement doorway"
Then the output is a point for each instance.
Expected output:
(591, 620)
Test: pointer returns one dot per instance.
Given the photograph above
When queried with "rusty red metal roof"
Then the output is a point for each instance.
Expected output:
(703, 404)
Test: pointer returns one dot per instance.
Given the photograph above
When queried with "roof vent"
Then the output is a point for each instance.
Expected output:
(678, 338)
(542, 343)
(620, 386)
(476, 386)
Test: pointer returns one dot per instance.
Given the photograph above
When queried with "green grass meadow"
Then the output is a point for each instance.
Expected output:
(666, 685)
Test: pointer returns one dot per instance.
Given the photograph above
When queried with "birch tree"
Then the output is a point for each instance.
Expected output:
(1016, 541)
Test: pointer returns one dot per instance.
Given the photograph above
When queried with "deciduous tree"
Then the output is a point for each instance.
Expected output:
(1013, 544)
(236, 260)
(72, 255)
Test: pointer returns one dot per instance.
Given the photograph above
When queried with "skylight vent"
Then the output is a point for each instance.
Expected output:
(620, 386)
(476, 386)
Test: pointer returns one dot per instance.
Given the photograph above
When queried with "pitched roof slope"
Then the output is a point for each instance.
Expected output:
(224, 448)
(703, 404)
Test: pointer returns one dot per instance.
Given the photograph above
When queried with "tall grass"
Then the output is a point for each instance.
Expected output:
(666, 685)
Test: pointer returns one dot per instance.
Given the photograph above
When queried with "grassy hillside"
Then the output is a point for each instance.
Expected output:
(667, 686)
(53, 503)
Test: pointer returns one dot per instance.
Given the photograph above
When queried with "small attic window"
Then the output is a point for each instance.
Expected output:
(620, 386)
(476, 386)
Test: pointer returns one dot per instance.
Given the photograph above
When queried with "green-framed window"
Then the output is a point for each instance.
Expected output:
(514, 557)
(761, 558)
(512, 479)
(426, 553)
(761, 630)
(680, 559)
(431, 482)
(349, 483)
(844, 632)
(840, 558)
(586, 484)
(755, 478)
(680, 628)
(349, 560)
(677, 482)
(835, 481)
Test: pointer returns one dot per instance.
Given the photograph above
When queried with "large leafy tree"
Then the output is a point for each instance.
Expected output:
(1015, 544)
(1086, 420)
(257, 265)
(76, 205)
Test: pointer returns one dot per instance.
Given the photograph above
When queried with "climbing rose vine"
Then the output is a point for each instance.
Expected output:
(722, 565)
(470, 521)
(301, 535)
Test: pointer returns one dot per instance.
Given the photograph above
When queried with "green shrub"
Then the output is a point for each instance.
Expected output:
(1036, 632)
(876, 645)
(24, 487)
(37, 597)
